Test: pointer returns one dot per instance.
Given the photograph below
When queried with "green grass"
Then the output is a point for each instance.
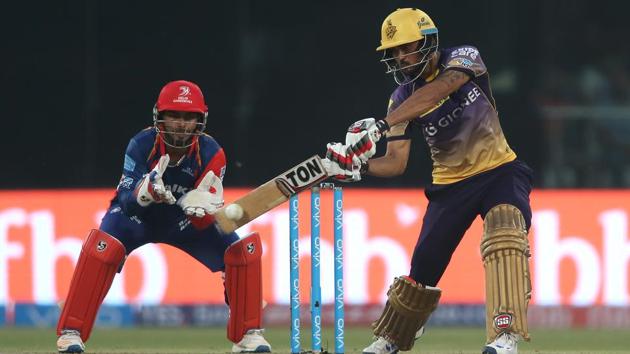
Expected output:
(212, 340)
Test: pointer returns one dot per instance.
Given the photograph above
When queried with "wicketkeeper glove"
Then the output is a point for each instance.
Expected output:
(151, 188)
(205, 199)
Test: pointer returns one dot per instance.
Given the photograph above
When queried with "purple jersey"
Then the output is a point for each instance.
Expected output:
(463, 130)
(142, 154)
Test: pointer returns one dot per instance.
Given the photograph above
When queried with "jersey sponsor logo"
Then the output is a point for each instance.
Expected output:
(446, 120)
(177, 189)
(183, 224)
(189, 171)
(125, 182)
(129, 164)
(251, 248)
(463, 62)
(465, 52)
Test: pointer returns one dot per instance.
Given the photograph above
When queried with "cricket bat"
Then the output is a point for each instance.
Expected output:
(271, 194)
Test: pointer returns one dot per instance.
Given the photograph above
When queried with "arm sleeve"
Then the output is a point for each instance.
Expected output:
(467, 60)
(216, 165)
(134, 168)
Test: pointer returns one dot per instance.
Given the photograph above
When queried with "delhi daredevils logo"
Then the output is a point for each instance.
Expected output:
(503, 321)
(184, 90)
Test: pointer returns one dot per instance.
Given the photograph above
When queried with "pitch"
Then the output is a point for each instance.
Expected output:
(212, 340)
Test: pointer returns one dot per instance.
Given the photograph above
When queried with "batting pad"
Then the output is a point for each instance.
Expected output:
(408, 308)
(505, 252)
(243, 283)
(101, 256)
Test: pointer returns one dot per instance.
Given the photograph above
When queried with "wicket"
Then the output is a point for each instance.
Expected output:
(316, 328)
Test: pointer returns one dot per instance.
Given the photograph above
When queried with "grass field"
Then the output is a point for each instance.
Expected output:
(212, 340)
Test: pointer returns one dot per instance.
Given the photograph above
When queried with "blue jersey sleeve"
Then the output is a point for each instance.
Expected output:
(134, 168)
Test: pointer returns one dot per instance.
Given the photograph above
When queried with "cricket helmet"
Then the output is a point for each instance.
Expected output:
(180, 96)
(405, 26)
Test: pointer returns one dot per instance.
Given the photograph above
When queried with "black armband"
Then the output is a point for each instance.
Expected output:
(382, 126)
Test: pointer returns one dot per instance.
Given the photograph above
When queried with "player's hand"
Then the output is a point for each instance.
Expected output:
(151, 189)
(340, 166)
(362, 137)
(207, 198)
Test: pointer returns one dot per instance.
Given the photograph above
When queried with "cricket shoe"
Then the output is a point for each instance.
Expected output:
(70, 342)
(383, 346)
(505, 343)
(252, 342)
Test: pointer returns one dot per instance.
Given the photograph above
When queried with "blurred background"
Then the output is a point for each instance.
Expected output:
(281, 79)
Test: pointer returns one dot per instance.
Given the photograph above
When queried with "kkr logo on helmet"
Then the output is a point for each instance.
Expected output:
(390, 31)
(101, 246)
(503, 321)
(251, 248)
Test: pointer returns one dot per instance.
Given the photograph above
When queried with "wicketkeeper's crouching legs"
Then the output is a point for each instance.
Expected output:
(505, 252)
(101, 257)
(243, 285)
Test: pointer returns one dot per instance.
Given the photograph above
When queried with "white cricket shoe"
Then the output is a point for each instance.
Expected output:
(505, 343)
(383, 346)
(70, 342)
(252, 342)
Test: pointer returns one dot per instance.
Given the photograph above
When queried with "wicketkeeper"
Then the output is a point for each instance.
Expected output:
(170, 185)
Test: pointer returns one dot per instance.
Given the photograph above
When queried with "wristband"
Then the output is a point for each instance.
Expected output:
(382, 126)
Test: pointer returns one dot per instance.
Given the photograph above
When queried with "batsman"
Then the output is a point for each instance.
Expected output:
(170, 186)
(444, 94)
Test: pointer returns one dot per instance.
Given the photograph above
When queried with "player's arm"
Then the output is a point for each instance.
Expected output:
(393, 163)
(427, 97)
(133, 170)
(141, 186)
(420, 102)
(207, 197)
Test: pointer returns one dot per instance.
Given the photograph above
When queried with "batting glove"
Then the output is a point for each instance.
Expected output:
(339, 165)
(362, 137)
